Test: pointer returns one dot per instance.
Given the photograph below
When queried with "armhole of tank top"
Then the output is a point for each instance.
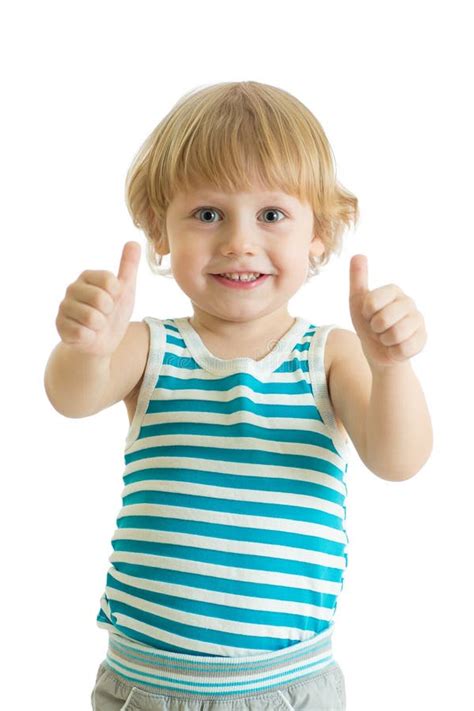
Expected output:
(320, 389)
(150, 376)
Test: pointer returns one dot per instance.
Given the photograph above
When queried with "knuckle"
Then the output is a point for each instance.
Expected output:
(100, 300)
(377, 324)
(110, 283)
(404, 348)
(91, 318)
(396, 332)
(93, 298)
(369, 306)
(63, 306)
(76, 330)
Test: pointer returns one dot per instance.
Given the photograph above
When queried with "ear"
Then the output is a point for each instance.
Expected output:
(316, 247)
(157, 234)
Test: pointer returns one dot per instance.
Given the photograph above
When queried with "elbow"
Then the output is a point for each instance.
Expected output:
(394, 477)
(401, 475)
(401, 469)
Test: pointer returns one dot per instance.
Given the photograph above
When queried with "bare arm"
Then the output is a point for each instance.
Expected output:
(391, 330)
(75, 382)
(384, 412)
(79, 385)
(398, 426)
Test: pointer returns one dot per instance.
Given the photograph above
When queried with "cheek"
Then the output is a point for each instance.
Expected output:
(189, 270)
(292, 261)
(186, 258)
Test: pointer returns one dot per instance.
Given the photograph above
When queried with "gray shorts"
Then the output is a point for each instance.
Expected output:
(324, 691)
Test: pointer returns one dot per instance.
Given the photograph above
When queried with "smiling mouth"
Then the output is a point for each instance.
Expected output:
(223, 274)
(249, 271)
(241, 284)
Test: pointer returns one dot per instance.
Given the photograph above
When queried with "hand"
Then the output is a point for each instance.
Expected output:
(94, 315)
(390, 327)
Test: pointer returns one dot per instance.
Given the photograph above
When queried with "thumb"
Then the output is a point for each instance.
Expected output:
(129, 262)
(359, 276)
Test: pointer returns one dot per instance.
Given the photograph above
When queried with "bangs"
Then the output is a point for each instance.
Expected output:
(233, 137)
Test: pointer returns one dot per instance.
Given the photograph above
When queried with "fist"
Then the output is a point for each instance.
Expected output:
(390, 327)
(94, 315)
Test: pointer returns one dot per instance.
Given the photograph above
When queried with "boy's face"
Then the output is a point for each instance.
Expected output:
(265, 231)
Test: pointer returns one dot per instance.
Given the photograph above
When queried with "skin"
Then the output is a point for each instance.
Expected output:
(240, 234)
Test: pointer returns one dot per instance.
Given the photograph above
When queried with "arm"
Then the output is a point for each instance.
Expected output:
(76, 383)
(98, 360)
(383, 411)
(79, 385)
(399, 434)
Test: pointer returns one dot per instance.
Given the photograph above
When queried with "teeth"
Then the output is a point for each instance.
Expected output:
(250, 276)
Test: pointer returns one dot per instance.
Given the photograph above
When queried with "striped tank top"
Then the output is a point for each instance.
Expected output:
(230, 542)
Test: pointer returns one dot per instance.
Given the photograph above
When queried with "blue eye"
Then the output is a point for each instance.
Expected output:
(271, 209)
(209, 210)
(205, 210)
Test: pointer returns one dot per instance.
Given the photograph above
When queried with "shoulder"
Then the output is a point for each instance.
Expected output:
(349, 384)
(139, 334)
(340, 339)
(132, 355)
(342, 346)
(339, 342)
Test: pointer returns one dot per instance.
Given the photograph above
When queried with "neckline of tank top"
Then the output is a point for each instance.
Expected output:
(207, 360)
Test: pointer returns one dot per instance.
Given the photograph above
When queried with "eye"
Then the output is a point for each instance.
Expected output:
(209, 210)
(206, 211)
(274, 210)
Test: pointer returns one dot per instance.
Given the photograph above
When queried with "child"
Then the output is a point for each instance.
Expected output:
(230, 547)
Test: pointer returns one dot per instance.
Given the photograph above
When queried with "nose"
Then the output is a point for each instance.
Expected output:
(239, 238)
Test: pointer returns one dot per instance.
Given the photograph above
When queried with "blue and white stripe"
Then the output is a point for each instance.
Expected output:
(230, 542)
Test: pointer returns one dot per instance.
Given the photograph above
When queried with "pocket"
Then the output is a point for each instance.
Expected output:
(110, 693)
(325, 690)
(128, 700)
(341, 686)
(286, 703)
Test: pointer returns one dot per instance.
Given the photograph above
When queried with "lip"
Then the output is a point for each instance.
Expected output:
(240, 284)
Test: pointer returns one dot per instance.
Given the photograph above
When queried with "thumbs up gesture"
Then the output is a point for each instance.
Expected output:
(390, 327)
(94, 315)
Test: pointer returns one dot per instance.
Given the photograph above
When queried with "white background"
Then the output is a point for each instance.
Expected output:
(83, 84)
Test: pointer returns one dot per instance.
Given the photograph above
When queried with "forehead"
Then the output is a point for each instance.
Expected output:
(258, 193)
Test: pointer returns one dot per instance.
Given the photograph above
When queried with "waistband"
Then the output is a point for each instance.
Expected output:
(192, 676)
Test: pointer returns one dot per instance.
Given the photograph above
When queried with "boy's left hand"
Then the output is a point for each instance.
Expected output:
(390, 327)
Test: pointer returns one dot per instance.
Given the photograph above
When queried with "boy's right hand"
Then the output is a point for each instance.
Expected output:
(94, 315)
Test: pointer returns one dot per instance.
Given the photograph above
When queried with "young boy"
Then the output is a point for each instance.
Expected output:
(230, 547)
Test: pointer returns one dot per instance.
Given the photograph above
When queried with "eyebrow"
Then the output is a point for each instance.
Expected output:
(212, 194)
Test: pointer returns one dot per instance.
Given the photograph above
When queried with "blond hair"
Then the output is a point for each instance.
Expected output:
(225, 134)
